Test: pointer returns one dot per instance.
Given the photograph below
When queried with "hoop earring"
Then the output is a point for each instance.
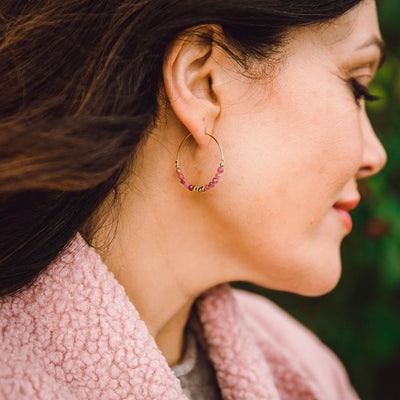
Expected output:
(209, 185)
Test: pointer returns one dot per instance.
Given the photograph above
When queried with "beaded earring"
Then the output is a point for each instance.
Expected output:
(212, 183)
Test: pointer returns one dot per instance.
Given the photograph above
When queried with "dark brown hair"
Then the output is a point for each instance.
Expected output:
(79, 84)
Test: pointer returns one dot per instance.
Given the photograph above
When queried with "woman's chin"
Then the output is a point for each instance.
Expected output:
(321, 284)
(306, 281)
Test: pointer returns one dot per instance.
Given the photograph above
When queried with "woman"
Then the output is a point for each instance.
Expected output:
(152, 152)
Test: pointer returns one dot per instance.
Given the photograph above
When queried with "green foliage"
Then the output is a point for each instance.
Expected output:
(360, 319)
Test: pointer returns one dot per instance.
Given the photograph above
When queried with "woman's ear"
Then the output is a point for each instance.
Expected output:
(188, 72)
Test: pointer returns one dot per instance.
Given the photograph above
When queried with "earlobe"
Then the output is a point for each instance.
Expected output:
(188, 72)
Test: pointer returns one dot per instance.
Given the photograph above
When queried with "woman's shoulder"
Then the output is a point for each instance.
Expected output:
(270, 323)
(22, 378)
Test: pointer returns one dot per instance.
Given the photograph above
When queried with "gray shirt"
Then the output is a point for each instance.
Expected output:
(196, 371)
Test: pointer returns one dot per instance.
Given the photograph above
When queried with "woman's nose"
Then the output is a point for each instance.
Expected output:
(374, 155)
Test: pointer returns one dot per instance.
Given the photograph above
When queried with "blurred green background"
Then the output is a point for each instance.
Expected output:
(360, 318)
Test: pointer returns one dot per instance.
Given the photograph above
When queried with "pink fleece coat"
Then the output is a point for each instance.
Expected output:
(75, 335)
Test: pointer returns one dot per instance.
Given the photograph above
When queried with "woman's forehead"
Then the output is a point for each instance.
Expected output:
(351, 30)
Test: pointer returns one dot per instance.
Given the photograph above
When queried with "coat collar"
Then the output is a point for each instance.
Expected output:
(92, 338)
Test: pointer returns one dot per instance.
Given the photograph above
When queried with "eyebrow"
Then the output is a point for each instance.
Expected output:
(380, 43)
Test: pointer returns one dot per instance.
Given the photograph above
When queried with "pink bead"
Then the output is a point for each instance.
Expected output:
(178, 171)
(180, 176)
(220, 170)
(190, 187)
(215, 180)
(211, 184)
(206, 187)
(183, 181)
(186, 184)
(217, 176)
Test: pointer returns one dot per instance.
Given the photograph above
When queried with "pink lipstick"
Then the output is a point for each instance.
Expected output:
(343, 208)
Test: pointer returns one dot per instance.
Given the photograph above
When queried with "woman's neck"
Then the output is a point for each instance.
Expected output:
(160, 249)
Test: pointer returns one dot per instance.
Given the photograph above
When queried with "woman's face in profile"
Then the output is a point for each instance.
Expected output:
(294, 145)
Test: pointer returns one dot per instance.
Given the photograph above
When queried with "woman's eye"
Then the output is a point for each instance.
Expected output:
(361, 92)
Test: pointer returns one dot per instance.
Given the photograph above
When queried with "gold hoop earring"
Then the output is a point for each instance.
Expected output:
(210, 184)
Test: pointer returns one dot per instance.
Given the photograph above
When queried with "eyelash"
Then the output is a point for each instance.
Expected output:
(361, 92)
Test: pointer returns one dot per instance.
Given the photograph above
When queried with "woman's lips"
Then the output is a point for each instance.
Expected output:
(343, 208)
(345, 217)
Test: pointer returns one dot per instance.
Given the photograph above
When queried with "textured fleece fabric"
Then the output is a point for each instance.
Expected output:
(74, 334)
